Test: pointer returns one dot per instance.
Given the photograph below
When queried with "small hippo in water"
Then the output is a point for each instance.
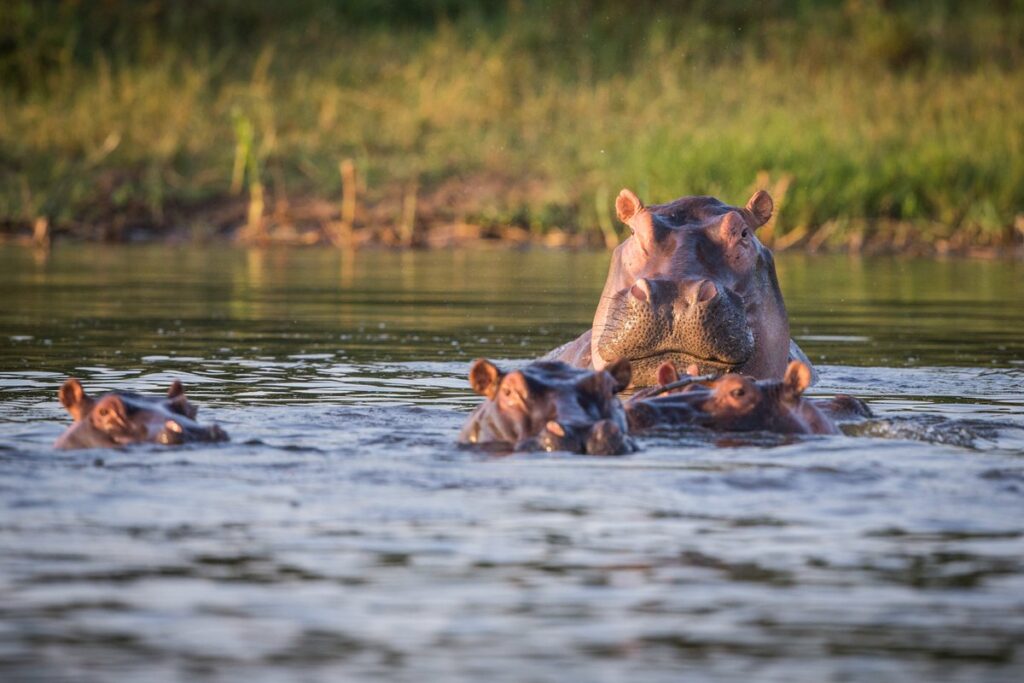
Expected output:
(737, 403)
(692, 284)
(119, 418)
(550, 406)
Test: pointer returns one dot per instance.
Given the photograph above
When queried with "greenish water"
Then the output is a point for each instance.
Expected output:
(342, 535)
(123, 306)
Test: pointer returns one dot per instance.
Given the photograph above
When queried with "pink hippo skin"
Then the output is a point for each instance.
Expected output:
(120, 418)
(692, 285)
(735, 403)
(549, 406)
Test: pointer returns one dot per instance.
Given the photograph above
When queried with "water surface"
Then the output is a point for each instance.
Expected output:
(342, 535)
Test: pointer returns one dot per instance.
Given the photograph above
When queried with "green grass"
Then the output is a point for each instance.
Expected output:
(894, 125)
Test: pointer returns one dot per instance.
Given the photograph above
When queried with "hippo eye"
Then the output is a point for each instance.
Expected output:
(737, 393)
(744, 233)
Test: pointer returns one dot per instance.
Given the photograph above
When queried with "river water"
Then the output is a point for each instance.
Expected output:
(341, 535)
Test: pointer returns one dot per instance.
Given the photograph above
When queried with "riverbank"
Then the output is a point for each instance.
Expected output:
(894, 128)
(439, 223)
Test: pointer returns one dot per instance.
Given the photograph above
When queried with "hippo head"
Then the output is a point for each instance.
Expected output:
(736, 403)
(550, 406)
(692, 285)
(120, 418)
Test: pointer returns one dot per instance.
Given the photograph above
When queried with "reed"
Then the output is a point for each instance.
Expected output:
(247, 160)
(407, 222)
(346, 226)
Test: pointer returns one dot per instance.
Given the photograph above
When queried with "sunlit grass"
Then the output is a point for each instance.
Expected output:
(864, 150)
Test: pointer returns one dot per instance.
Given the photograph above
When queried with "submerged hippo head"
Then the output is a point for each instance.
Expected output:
(692, 284)
(120, 418)
(550, 406)
(737, 403)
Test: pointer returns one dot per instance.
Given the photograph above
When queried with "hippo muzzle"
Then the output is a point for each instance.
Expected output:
(691, 322)
(604, 437)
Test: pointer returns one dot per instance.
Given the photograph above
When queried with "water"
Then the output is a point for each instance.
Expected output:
(342, 535)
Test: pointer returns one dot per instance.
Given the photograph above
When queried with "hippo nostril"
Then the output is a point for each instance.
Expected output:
(704, 292)
(606, 438)
(558, 437)
(555, 428)
(171, 434)
(641, 291)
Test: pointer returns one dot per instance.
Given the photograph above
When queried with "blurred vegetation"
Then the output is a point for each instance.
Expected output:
(892, 122)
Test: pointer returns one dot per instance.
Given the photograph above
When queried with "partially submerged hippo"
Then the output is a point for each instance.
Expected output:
(549, 406)
(121, 417)
(736, 403)
(691, 285)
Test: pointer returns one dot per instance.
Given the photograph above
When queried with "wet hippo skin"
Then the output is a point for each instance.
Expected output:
(549, 405)
(120, 418)
(692, 284)
(736, 403)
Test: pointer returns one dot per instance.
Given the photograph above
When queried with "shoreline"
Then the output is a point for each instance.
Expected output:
(467, 236)
(316, 222)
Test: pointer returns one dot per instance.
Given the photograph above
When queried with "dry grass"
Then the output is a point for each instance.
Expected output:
(505, 120)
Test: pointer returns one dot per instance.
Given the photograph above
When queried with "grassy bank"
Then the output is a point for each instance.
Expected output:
(894, 126)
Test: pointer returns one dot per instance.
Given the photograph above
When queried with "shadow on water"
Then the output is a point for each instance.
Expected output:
(343, 535)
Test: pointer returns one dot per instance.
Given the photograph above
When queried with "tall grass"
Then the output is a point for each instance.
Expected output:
(887, 122)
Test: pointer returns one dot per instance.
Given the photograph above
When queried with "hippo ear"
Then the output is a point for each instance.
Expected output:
(178, 403)
(797, 378)
(181, 406)
(760, 206)
(73, 397)
(622, 372)
(667, 373)
(627, 204)
(484, 377)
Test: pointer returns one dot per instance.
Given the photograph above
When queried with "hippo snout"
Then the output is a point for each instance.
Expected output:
(696, 293)
(699, 321)
(716, 327)
(703, 292)
(604, 437)
(180, 431)
(560, 437)
(172, 434)
(607, 438)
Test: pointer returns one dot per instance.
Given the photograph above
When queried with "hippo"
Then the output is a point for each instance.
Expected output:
(119, 418)
(692, 284)
(549, 405)
(737, 403)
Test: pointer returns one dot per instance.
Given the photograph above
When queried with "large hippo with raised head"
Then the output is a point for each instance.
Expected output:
(692, 284)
